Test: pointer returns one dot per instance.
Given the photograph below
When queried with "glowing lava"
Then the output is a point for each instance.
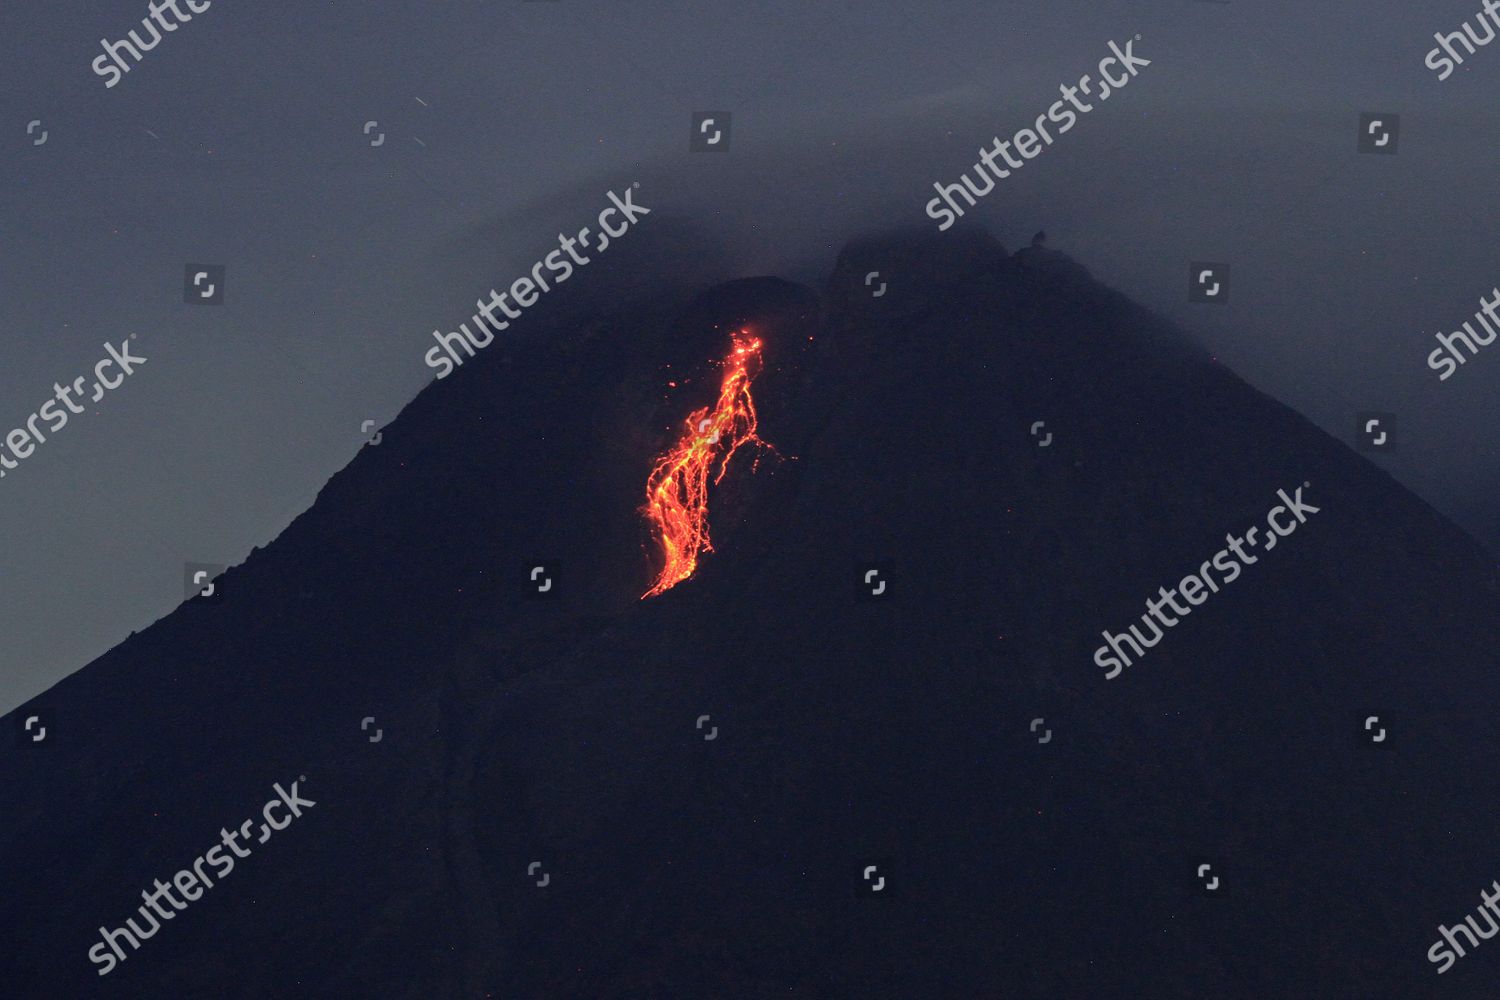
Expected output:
(677, 489)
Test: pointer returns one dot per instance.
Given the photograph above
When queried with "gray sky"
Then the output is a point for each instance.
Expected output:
(1237, 144)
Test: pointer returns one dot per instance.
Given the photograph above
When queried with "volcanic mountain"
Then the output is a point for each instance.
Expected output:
(768, 780)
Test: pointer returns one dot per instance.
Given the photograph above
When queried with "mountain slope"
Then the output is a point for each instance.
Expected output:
(565, 729)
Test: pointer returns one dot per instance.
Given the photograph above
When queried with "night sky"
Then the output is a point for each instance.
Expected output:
(239, 140)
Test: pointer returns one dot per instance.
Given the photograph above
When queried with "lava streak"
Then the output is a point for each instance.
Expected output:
(677, 489)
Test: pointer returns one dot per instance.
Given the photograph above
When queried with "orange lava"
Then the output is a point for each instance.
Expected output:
(677, 489)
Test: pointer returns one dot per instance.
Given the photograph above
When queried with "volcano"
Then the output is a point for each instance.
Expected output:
(768, 779)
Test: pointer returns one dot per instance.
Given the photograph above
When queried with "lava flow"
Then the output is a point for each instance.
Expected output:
(677, 489)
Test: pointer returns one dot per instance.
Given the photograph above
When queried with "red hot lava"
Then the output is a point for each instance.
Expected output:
(677, 489)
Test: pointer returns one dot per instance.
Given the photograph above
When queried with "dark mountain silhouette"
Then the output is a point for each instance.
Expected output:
(565, 729)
